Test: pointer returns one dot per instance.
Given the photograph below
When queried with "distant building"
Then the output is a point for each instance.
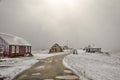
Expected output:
(92, 49)
(12, 46)
(55, 48)
(65, 47)
(75, 51)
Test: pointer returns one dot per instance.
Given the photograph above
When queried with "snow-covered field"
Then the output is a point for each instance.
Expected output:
(94, 66)
(11, 67)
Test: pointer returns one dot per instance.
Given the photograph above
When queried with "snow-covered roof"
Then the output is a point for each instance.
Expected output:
(14, 40)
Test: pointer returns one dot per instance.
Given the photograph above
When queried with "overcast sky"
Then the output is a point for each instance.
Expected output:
(45, 22)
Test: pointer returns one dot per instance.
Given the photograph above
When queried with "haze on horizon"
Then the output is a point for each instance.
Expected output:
(45, 22)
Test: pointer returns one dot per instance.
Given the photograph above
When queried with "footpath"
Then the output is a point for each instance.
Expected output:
(50, 68)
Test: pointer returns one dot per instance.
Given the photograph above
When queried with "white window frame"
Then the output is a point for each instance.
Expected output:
(13, 49)
(26, 49)
(17, 49)
(29, 48)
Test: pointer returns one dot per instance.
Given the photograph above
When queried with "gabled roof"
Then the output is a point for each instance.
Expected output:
(14, 40)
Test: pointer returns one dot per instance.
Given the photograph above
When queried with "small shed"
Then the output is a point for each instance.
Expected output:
(13, 46)
(55, 48)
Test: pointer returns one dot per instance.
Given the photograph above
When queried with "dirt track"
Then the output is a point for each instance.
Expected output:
(48, 69)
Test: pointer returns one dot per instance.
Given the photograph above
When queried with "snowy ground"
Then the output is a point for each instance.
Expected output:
(13, 66)
(94, 66)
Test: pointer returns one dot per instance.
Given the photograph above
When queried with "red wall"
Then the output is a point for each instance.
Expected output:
(22, 51)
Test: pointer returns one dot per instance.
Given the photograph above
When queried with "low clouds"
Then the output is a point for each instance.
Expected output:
(82, 22)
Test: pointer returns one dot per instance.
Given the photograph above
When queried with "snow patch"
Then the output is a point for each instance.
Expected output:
(94, 66)
(11, 67)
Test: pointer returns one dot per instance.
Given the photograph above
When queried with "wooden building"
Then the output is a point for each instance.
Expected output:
(13, 46)
(55, 48)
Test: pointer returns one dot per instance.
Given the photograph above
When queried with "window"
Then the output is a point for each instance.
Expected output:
(13, 49)
(1, 50)
(26, 49)
(17, 49)
(29, 49)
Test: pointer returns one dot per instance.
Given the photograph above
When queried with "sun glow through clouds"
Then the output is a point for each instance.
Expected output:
(61, 2)
(58, 1)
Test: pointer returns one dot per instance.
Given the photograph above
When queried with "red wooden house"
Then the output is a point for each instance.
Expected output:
(12, 46)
